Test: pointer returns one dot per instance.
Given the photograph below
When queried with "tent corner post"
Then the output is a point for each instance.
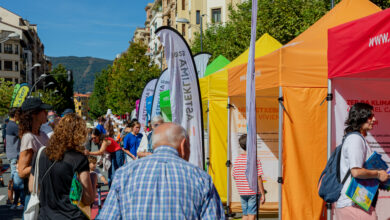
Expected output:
(280, 169)
(228, 163)
(329, 134)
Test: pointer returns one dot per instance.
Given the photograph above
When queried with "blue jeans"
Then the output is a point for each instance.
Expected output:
(117, 159)
(18, 184)
(248, 204)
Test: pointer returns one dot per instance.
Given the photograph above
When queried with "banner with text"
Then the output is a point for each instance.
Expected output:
(347, 92)
(267, 119)
(184, 90)
(161, 85)
(142, 114)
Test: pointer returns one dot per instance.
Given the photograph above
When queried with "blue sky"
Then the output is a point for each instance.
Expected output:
(97, 28)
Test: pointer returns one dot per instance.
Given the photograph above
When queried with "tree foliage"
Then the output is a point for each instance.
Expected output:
(6, 90)
(120, 85)
(282, 19)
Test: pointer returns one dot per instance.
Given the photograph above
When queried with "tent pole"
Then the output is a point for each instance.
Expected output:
(329, 137)
(280, 171)
(228, 161)
(208, 137)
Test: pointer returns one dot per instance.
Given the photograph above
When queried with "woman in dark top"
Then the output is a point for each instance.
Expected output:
(58, 163)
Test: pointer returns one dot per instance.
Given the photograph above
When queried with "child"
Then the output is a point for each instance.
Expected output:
(248, 197)
(95, 173)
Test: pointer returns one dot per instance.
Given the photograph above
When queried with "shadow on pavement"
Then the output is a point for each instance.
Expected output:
(7, 214)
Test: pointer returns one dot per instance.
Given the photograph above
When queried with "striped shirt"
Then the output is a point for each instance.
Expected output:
(239, 176)
(162, 186)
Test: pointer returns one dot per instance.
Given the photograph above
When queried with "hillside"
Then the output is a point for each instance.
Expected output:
(84, 69)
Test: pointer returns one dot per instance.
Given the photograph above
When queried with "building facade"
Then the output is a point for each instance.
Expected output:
(81, 105)
(22, 57)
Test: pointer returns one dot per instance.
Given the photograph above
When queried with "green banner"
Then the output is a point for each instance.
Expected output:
(16, 89)
(165, 106)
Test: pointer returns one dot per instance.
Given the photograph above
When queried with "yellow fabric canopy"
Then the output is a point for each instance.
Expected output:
(300, 68)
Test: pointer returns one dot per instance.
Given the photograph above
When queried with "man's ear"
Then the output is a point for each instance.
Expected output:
(183, 148)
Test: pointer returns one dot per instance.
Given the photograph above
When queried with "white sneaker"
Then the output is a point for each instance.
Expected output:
(13, 207)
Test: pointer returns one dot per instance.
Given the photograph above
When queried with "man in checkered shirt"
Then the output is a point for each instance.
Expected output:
(163, 185)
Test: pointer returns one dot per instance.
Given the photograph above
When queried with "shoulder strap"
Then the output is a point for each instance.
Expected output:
(339, 159)
(36, 170)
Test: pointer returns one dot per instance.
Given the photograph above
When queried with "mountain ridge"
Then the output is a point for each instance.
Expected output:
(84, 70)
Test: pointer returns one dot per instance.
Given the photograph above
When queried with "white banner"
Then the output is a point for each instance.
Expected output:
(161, 85)
(148, 91)
(184, 90)
(375, 92)
(201, 61)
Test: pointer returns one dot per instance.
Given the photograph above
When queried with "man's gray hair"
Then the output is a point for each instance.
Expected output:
(172, 136)
(157, 119)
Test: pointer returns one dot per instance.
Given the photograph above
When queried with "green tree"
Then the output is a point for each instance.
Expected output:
(6, 90)
(97, 101)
(130, 74)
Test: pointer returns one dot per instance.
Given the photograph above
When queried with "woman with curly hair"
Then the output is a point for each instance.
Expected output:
(58, 164)
(107, 145)
(354, 153)
(33, 115)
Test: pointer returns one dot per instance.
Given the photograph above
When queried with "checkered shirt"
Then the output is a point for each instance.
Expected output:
(162, 186)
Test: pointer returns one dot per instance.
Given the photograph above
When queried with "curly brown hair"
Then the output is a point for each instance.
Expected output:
(109, 128)
(26, 121)
(69, 134)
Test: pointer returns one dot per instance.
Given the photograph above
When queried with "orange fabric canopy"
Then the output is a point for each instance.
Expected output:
(303, 61)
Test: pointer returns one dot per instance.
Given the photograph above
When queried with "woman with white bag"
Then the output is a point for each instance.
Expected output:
(63, 173)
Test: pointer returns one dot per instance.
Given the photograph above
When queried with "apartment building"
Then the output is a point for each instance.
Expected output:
(22, 56)
(81, 104)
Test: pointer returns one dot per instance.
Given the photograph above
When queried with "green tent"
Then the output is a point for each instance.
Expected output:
(217, 64)
(165, 106)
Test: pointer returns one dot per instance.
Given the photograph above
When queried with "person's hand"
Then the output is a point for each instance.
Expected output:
(262, 198)
(86, 152)
(383, 176)
(105, 182)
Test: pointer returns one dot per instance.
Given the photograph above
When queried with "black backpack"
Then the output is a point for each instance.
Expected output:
(329, 184)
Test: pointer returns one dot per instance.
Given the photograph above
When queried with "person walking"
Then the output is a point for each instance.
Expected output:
(13, 150)
(59, 164)
(354, 153)
(163, 185)
(33, 115)
(248, 197)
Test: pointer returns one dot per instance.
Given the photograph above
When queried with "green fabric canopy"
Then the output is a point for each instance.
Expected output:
(217, 64)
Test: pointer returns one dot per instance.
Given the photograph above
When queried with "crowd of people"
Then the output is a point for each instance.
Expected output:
(149, 176)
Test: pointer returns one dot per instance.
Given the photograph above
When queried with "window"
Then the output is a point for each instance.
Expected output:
(8, 65)
(183, 30)
(198, 17)
(155, 25)
(1, 47)
(16, 66)
(183, 4)
(216, 15)
(8, 48)
(1, 64)
(16, 49)
(155, 47)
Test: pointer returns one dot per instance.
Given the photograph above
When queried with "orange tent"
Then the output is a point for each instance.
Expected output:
(299, 70)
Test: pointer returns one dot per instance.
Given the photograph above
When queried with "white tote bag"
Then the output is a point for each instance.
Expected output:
(32, 209)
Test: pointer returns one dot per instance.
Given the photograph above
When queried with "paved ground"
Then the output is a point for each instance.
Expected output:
(7, 214)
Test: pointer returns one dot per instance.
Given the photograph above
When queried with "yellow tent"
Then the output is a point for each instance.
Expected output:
(214, 93)
(299, 69)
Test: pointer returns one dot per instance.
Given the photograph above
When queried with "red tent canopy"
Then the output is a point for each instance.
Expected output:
(360, 48)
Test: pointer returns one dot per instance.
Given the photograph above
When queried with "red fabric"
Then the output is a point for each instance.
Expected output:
(239, 168)
(113, 147)
(360, 48)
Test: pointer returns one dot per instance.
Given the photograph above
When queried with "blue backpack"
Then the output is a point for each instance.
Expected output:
(329, 184)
